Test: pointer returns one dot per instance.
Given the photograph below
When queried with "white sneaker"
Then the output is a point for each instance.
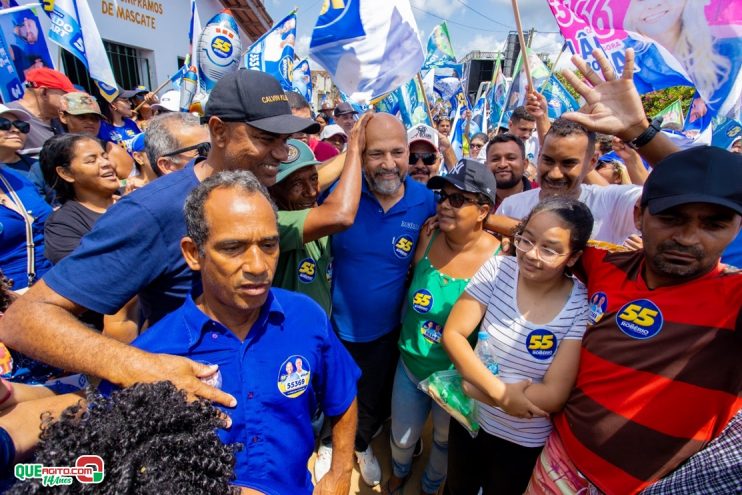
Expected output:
(370, 469)
(323, 462)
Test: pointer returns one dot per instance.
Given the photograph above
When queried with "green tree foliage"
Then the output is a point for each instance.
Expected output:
(655, 101)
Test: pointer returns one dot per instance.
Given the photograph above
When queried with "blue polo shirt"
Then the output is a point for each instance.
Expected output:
(134, 248)
(371, 260)
(275, 400)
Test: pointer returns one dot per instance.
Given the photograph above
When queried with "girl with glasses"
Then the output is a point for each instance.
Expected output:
(443, 265)
(535, 314)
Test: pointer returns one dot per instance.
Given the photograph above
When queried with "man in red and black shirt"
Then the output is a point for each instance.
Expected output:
(660, 374)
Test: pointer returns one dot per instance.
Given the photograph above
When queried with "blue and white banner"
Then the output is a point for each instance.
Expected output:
(74, 29)
(370, 48)
(498, 96)
(477, 113)
(273, 53)
(361, 108)
(412, 104)
(440, 52)
(726, 132)
(558, 99)
(390, 104)
(302, 79)
(22, 47)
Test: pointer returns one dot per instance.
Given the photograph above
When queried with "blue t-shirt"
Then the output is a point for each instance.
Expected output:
(371, 260)
(134, 248)
(116, 134)
(733, 253)
(13, 255)
(275, 400)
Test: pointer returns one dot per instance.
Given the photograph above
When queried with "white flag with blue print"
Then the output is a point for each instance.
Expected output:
(273, 53)
(73, 28)
(369, 47)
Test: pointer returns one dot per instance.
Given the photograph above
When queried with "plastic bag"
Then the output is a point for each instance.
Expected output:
(445, 389)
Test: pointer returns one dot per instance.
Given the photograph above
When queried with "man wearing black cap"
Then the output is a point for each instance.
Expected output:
(345, 116)
(134, 249)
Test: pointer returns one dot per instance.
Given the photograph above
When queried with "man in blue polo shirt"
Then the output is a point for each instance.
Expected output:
(370, 264)
(134, 249)
(275, 349)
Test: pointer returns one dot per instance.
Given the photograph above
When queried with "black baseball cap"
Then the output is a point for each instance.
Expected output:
(343, 109)
(703, 174)
(258, 99)
(470, 176)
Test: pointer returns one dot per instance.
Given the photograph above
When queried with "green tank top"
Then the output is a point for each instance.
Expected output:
(430, 299)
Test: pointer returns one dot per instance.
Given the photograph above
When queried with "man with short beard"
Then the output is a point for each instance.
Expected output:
(506, 158)
(566, 157)
(370, 264)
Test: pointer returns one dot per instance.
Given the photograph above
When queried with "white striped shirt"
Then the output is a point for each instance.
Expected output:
(525, 350)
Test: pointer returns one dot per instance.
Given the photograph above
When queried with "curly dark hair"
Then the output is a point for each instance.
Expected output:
(6, 296)
(152, 440)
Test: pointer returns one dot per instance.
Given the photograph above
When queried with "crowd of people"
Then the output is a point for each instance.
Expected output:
(238, 290)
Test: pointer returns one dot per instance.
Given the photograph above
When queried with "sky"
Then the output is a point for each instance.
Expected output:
(472, 24)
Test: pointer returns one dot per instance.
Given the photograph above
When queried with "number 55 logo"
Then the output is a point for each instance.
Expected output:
(541, 344)
(640, 319)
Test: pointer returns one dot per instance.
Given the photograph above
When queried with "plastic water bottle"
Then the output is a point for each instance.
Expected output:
(486, 352)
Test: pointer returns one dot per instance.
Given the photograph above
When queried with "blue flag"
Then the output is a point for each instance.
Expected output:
(498, 95)
(726, 132)
(73, 28)
(440, 51)
(558, 99)
(412, 104)
(302, 79)
(273, 53)
(369, 48)
(390, 104)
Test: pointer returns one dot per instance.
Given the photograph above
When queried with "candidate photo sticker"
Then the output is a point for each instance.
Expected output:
(640, 319)
(541, 344)
(294, 376)
(598, 306)
(432, 332)
(403, 246)
(307, 270)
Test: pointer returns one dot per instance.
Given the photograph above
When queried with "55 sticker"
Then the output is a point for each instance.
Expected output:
(422, 301)
(403, 246)
(541, 344)
(640, 319)
(307, 270)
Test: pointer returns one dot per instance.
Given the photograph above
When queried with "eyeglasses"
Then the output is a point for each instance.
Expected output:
(476, 145)
(427, 158)
(22, 126)
(545, 254)
(456, 200)
(201, 148)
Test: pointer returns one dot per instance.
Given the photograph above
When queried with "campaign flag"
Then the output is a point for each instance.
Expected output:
(440, 50)
(73, 28)
(477, 113)
(194, 34)
(358, 107)
(369, 48)
(519, 87)
(672, 113)
(22, 47)
(389, 104)
(726, 132)
(498, 95)
(429, 86)
(558, 99)
(450, 95)
(273, 53)
(411, 100)
(689, 43)
(301, 79)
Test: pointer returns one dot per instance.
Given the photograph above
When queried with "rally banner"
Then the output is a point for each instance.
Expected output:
(498, 95)
(411, 101)
(440, 52)
(74, 29)
(23, 47)
(388, 104)
(691, 43)
(672, 113)
(558, 99)
(369, 48)
(301, 80)
(273, 53)
(450, 96)
(726, 132)
(519, 87)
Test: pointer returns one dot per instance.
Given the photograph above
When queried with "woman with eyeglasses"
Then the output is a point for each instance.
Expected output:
(534, 313)
(444, 262)
(23, 209)
(476, 145)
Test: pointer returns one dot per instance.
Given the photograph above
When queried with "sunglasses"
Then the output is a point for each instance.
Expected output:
(201, 148)
(456, 200)
(22, 126)
(427, 158)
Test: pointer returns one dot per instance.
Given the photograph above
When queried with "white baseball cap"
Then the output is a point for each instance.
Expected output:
(17, 112)
(332, 130)
(424, 133)
(170, 101)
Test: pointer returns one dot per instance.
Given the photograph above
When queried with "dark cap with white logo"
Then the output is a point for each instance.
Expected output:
(257, 99)
(470, 176)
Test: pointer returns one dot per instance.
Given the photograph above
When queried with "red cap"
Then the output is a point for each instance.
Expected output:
(49, 78)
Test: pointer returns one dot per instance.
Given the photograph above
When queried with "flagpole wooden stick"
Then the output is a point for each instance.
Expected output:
(159, 88)
(425, 97)
(523, 47)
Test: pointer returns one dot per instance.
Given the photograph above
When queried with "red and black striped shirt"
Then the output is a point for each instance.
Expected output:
(660, 372)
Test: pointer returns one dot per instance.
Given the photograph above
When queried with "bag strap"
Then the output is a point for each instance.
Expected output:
(28, 220)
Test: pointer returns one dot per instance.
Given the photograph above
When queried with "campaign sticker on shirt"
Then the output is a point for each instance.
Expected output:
(328, 273)
(640, 319)
(307, 270)
(422, 301)
(598, 305)
(293, 376)
(403, 246)
(432, 332)
(541, 344)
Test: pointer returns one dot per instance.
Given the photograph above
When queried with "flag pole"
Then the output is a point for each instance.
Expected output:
(553, 67)
(157, 90)
(425, 97)
(522, 40)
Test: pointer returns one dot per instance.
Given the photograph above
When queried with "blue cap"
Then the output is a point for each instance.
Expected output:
(136, 143)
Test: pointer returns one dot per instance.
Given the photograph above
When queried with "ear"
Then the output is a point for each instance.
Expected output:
(219, 132)
(190, 253)
(164, 165)
(638, 212)
(62, 117)
(484, 210)
(64, 174)
(573, 258)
